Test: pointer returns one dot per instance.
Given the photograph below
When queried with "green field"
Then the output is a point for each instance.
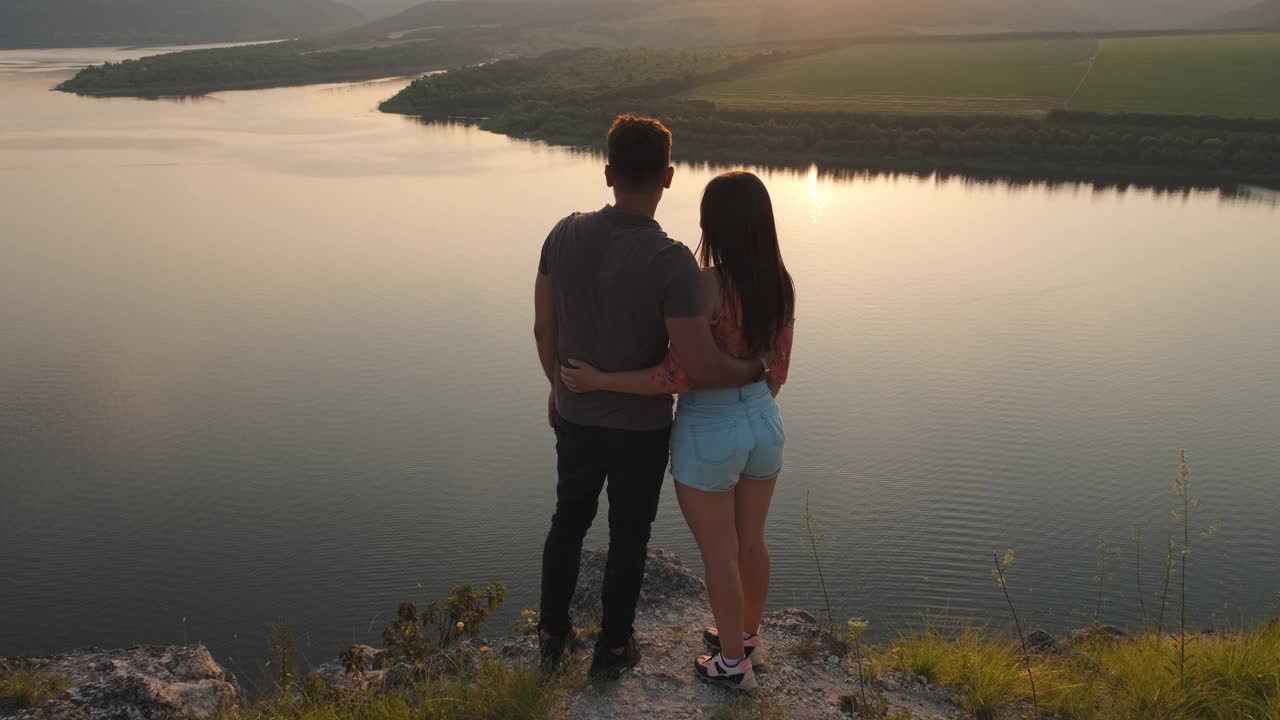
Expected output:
(1223, 75)
(1017, 76)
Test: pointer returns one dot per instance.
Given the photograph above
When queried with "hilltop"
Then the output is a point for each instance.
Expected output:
(79, 23)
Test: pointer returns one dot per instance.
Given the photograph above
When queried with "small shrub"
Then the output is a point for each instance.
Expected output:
(921, 652)
(27, 689)
(865, 704)
(590, 627)
(528, 623)
(807, 649)
(282, 649)
(461, 615)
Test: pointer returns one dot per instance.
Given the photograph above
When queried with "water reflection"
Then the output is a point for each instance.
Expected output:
(1034, 179)
(273, 348)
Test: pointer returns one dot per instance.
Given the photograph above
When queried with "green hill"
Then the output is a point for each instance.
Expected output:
(54, 23)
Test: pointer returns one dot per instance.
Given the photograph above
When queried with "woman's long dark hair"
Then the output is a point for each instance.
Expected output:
(740, 240)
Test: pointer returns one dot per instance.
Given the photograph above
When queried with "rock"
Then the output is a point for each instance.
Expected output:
(358, 657)
(833, 660)
(404, 675)
(1041, 641)
(792, 621)
(667, 580)
(170, 682)
(1097, 632)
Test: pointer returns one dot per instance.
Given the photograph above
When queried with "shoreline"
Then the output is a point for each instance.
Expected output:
(814, 671)
(564, 98)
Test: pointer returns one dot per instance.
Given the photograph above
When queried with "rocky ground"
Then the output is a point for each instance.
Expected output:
(174, 683)
(809, 674)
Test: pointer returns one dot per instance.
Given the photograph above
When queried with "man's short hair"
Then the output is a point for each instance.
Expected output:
(639, 152)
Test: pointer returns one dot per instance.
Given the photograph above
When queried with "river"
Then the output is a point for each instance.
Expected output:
(268, 356)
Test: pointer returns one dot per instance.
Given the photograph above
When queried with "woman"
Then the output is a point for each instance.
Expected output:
(726, 445)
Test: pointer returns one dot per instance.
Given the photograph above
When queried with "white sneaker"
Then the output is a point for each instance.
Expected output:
(754, 647)
(713, 669)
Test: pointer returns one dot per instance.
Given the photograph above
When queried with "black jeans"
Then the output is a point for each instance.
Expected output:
(634, 462)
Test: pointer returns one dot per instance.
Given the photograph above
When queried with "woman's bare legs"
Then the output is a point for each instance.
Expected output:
(751, 509)
(711, 517)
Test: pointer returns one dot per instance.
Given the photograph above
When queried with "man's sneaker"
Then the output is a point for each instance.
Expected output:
(557, 649)
(754, 647)
(715, 670)
(606, 665)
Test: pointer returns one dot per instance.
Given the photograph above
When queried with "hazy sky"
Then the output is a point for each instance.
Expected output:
(379, 8)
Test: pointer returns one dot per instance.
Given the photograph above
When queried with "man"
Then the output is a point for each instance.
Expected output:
(613, 290)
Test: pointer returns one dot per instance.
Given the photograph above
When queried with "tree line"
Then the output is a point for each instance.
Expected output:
(569, 99)
(197, 72)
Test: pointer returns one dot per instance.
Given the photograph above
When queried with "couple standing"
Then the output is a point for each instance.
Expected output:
(625, 318)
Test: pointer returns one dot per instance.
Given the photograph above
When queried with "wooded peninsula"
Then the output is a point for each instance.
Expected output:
(1188, 109)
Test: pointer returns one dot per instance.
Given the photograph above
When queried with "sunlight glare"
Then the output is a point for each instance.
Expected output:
(817, 194)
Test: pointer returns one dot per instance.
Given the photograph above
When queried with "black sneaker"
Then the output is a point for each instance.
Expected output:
(605, 665)
(556, 650)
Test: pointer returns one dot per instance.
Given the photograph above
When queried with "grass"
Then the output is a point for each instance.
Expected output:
(492, 692)
(987, 670)
(589, 627)
(747, 708)
(1008, 77)
(1222, 75)
(26, 689)
(1230, 676)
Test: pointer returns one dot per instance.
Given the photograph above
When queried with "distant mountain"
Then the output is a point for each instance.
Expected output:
(381, 8)
(1263, 16)
(970, 16)
(48, 23)
(512, 13)
(877, 17)
(1156, 14)
(782, 19)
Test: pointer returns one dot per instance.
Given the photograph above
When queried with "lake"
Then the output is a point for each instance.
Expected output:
(268, 356)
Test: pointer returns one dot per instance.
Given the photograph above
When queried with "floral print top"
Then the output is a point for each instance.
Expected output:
(726, 328)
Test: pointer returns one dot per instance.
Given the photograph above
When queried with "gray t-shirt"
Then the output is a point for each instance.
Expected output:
(617, 277)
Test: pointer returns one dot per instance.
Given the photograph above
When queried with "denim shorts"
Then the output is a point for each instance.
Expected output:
(722, 435)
